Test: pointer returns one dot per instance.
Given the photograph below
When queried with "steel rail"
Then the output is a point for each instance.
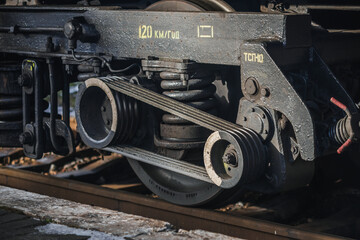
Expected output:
(333, 7)
(182, 217)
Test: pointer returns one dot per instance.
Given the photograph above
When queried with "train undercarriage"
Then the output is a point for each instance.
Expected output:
(206, 99)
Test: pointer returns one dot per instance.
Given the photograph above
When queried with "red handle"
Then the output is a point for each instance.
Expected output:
(339, 104)
(343, 107)
(345, 145)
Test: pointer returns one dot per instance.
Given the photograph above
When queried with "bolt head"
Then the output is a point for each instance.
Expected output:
(265, 92)
(24, 80)
(69, 30)
(294, 149)
(25, 138)
(251, 86)
(230, 158)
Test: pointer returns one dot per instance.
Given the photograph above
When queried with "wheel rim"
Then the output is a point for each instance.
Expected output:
(174, 187)
(190, 6)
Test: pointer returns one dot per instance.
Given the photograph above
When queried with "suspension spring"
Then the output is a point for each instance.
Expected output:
(338, 133)
(10, 92)
(10, 104)
(10, 108)
(178, 133)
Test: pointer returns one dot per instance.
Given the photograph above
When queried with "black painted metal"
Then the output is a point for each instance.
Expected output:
(271, 49)
(215, 38)
(10, 104)
(66, 98)
(34, 145)
(53, 107)
(193, 87)
(167, 104)
(105, 117)
(283, 96)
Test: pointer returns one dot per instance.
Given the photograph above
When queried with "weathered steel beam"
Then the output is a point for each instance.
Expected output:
(211, 37)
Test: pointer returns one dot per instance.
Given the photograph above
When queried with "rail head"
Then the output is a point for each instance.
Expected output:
(184, 217)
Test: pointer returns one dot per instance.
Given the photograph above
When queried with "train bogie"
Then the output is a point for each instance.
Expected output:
(204, 101)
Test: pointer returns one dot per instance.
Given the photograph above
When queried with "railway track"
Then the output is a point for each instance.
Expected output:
(128, 202)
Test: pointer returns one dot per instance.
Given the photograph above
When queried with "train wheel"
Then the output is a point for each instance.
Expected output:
(191, 5)
(168, 185)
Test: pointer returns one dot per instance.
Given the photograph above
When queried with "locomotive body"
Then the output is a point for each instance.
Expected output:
(203, 100)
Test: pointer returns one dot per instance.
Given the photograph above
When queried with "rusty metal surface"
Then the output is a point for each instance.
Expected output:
(187, 218)
(7, 154)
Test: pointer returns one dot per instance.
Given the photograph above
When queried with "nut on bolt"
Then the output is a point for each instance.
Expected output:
(251, 86)
(230, 158)
(265, 92)
(25, 80)
(25, 138)
(294, 149)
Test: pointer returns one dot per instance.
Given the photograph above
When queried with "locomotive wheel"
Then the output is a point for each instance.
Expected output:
(168, 185)
(191, 6)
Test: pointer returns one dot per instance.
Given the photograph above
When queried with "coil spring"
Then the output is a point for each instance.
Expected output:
(175, 132)
(10, 92)
(10, 108)
(338, 133)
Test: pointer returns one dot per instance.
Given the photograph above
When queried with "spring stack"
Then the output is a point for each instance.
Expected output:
(197, 91)
(10, 104)
(338, 133)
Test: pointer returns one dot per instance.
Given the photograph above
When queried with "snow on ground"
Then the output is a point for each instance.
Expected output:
(57, 229)
(97, 222)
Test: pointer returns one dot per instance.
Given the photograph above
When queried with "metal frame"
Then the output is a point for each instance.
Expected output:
(211, 37)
